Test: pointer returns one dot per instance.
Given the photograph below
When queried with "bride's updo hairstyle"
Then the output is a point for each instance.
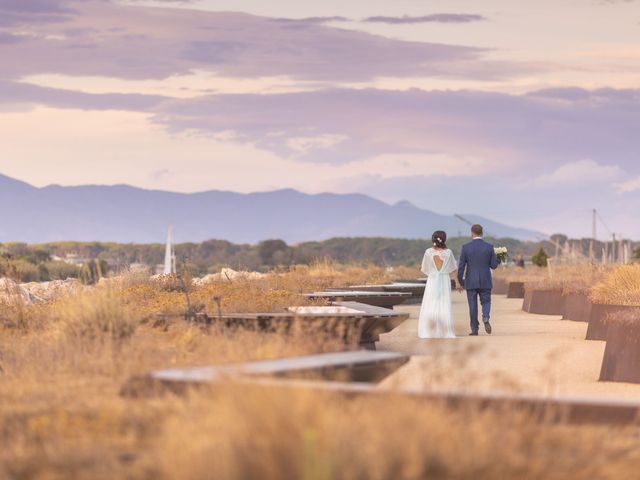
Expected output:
(439, 239)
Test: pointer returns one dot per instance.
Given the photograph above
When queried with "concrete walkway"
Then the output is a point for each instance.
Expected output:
(527, 354)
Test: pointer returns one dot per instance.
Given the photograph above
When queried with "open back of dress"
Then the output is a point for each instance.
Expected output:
(436, 317)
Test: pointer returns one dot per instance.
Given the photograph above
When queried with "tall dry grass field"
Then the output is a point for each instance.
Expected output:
(569, 278)
(63, 364)
(620, 286)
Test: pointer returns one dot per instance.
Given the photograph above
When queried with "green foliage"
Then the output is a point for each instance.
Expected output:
(541, 258)
(61, 270)
(93, 271)
(25, 270)
(25, 262)
(274, 253)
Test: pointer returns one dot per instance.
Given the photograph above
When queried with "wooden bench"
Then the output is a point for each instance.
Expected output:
(273, 374)
(415, 289)
(356, 366)
(368, 321)
(377, 299)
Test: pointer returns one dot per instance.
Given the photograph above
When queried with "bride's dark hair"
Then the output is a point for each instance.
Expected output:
(439, 239)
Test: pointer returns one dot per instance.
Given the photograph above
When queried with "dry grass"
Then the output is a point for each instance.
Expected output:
(569, 278)
(61, 415)
(620, 286)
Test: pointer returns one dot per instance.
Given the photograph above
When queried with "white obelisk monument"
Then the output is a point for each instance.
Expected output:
(169, 254)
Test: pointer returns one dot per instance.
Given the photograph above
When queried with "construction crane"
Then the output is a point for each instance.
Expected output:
(468, 222)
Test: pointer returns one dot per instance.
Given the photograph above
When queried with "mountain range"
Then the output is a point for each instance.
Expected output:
(123, 213)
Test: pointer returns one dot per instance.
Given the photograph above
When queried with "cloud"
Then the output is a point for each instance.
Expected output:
(535, 132)
(311, 20)
(21, 12)
(632, 185)
(15, 93)
(9, 38)
(545, 131)
(140, 42)
(581, 173)
(435, 18)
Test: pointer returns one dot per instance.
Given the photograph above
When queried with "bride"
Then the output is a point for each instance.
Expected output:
(436, 318)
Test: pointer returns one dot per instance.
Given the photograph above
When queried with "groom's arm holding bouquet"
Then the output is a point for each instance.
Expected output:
(494, 259)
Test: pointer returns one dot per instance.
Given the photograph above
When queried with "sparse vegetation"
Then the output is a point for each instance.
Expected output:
(620, 286)
(62, 416)
(541, 258)
(212, 255)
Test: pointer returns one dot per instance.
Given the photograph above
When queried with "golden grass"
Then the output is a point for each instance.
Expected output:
(61, 414)
(569, 278)
(620, 286)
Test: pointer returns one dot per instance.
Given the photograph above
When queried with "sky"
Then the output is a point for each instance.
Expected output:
(524, 112)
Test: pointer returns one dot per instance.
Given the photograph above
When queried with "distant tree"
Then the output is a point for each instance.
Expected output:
(43, 273)
(541, 258)
(93, 271)
(25, 271)
(559, 238)
(61, 270)
(274, 252)
(637, 253)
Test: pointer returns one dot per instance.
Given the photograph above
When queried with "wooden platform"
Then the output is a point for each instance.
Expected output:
(378, 299)
(356, 366)
(546, 408)
(369, 320)
(416, 289)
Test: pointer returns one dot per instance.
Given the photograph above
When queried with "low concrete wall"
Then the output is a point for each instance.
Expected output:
(621, 362)
(598, 322)
(516, 290)
(544, 302)
(577, 307)
(500, 286)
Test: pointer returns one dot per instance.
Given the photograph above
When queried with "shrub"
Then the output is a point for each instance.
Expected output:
(61, 270)
(621, 286)
(26, 271)
(541, 258)
(97, 314)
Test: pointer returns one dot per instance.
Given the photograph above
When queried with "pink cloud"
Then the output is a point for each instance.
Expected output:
(101, 38)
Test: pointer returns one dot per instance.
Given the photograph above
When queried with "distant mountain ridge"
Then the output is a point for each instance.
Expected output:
(122, 213)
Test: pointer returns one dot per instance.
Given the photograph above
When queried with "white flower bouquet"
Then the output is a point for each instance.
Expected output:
(502, 253)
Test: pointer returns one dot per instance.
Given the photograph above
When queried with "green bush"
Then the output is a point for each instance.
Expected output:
(26, 271)
(61, 270)
(541, 258)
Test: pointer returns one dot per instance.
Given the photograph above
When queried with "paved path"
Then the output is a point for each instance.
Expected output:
(529, 354)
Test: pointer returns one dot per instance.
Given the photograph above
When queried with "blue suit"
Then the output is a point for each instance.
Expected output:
(477, 259)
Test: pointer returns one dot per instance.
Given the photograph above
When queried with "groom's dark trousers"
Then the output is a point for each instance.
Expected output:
(477, 259)
(485, 301)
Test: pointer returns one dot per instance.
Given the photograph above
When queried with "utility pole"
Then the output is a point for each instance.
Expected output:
(621, 249)
(594, 235)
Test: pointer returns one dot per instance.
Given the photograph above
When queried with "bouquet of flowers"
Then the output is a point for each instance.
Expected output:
(502, 253)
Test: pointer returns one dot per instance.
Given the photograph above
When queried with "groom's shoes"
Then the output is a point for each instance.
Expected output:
(473, 334)
(487, 325)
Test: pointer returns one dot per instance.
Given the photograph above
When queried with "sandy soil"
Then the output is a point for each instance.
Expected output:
(527, 354)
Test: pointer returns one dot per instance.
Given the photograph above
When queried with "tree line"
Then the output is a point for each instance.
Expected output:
(42, 262)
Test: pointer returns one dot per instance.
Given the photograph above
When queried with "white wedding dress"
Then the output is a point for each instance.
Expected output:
(436, 317)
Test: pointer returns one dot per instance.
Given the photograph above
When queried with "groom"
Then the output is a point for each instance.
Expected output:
(477, 259)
